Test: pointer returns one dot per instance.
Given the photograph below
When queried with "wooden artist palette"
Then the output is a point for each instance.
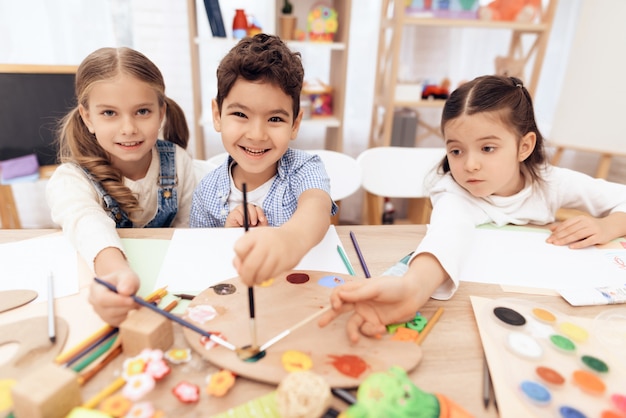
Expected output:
(35, 347)
(281, 304)
(10, 299)
(549, 364)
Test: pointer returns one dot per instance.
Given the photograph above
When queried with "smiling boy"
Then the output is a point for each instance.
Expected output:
(257, 111)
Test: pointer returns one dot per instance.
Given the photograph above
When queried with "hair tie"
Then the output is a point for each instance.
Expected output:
(519, 85)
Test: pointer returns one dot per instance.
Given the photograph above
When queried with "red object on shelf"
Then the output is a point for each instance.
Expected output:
(240, 24)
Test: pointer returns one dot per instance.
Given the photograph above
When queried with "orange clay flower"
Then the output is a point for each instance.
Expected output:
(220, 383)
(116, 406)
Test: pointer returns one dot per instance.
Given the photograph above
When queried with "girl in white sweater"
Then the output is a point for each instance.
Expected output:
(494, 171)
(114, 172)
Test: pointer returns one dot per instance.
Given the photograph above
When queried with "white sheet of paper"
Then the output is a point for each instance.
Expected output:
(26, 265)
(520, 257)
(199, 258)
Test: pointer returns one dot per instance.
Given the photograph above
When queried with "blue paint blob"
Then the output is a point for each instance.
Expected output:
(569, 412)
(536, 392)
(330, 281)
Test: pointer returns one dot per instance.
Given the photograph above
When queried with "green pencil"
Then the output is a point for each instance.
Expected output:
(345, 260)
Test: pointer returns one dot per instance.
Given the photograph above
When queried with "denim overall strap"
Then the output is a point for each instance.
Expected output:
(167, 198)
(110, 205)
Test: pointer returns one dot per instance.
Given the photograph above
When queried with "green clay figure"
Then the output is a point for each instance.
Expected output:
(392, 394)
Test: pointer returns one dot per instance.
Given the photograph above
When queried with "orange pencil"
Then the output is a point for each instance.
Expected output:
(429, 326)
(86, 376)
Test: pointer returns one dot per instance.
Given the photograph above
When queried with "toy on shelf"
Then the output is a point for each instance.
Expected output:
(433, 91)
(393, 394)
(320, 96)
(525, 11)
(322, 23)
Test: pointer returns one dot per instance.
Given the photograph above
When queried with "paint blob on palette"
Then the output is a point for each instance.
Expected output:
(555, 365)
(280, 304)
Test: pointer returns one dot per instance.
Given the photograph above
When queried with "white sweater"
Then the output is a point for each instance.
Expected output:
(77, 208)
(456, 213)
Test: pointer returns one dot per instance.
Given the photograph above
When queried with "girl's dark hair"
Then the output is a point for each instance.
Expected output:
(509, 98)
(266, 58)
(78, 145)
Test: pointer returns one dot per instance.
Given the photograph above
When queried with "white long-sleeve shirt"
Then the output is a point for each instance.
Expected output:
(456, 213)
(77, 208)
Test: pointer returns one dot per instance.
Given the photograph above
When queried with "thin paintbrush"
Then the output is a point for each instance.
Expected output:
(171, 316)
(246, 224)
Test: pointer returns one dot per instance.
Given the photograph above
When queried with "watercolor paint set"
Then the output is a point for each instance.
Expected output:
(549, 364)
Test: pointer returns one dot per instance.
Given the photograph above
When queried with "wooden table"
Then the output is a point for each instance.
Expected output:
(453, 355)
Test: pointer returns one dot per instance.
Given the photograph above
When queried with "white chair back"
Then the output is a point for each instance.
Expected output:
(397, 172)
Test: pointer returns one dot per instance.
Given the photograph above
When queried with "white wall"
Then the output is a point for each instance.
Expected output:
(65, 31)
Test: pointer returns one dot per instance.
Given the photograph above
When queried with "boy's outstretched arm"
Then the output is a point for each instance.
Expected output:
(263, 253)
(385, 300)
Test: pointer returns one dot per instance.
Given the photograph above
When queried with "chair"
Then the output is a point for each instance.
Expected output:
(342, 169)
(397, 172)
(9, 215)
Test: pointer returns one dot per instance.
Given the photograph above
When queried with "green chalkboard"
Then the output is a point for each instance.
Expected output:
(32, 100)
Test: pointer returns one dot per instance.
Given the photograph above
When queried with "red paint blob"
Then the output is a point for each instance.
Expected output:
(298, 278)
(350, 365)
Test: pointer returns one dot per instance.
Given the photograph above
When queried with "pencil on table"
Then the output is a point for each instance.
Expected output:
(69, 354)
(109, 390)
(429, 326)
(89, 374)
(345, 260)
(360, 255)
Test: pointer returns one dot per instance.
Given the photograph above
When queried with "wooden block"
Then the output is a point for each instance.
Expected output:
(145, 329)
(49, 392)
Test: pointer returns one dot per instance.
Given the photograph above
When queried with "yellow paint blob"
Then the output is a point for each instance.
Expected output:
(267, 283)
(575, 332)
(294, 361)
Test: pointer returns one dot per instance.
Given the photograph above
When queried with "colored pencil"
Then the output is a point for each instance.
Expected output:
(104, 393)
(67, 355)
(429, 326)
(486, 384)
(95, 354)
(345, 260)
(91, 347)
(360, 255)
(171, 316)
(52, 333)
(246, 225)
(89, 374)
(344, 395)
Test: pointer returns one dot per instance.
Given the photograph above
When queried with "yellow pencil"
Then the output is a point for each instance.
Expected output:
(67, 355)
(107, 391)
(429, 326)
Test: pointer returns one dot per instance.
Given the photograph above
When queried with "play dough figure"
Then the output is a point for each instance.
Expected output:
(392, 394)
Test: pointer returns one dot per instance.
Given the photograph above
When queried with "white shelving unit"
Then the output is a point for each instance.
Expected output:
(394, 21)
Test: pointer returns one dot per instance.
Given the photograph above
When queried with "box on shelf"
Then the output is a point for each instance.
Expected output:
(320, 96)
